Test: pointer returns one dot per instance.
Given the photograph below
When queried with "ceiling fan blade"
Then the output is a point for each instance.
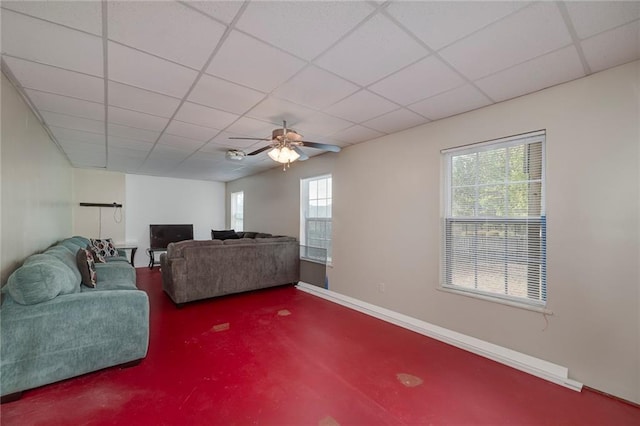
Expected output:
(325, 146)
(249, 139)
(258, 151)
(301, 153)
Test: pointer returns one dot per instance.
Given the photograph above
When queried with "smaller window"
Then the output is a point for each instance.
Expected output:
(315, 218)
(237, 211)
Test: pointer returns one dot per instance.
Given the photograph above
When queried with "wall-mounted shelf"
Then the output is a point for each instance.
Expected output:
(100, 205)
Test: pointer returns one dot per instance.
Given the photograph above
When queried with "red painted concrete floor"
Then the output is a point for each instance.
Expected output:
(284, 357)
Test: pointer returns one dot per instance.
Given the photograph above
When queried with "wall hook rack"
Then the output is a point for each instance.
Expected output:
(115, 205)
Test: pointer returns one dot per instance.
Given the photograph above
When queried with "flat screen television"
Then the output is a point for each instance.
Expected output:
(162, 235)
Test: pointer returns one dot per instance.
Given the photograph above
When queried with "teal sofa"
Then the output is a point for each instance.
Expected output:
(53, 328)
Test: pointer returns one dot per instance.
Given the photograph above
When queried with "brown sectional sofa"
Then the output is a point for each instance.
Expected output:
(194, 270)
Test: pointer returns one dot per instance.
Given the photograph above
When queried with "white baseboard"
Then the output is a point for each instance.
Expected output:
(534, 366)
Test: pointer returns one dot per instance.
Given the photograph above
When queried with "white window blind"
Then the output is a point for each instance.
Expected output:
(494, 219)
(237, 211)
(316, 212)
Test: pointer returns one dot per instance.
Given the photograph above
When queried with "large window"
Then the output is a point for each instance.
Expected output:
(315, 218)
(494, 219)
(237, 211)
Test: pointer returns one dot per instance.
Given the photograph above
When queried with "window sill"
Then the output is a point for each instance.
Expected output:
(514, 304)
(319, 262)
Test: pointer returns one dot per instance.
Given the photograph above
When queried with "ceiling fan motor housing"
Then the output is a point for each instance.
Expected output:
(292, 135)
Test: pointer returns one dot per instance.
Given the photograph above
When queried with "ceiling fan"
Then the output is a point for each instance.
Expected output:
(285, 146)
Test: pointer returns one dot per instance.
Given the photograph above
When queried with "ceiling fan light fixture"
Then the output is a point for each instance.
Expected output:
(284, 155)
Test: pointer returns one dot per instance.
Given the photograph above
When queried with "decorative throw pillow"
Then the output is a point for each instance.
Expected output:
(104, 247)
(87, 267)
(228, 234)
(97, 257)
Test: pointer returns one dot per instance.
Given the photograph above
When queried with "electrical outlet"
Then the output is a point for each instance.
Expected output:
(381, 288)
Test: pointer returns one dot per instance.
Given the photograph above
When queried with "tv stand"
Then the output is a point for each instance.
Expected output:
(152, 257)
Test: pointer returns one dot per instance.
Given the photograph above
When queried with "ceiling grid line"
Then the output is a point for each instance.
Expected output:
(574, 36)
(105, 65)
(197, 79)
(171, 91)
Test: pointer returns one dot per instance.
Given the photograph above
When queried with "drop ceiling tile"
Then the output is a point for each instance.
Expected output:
(82, 157)
(141, 147)
(159, 166)
(82, 15)
(85, 154)
(44, 42)
(253, 128)
(224, 11)
(148, 72)
(396, 121)
(141, 100)
(305, 29)
(315, 88)
(614, 47)
(439, 23)
(374, 50)
(204, 116)
(361, 106)
(590, 18)
(455, 101)
(421, 80)
(321, 125)
(531, 32)
(123, 163)
(356, 134)
(179, 142)
(545, 71)
(191, 131)
(54, 80)
(132, 133)
(252, 63)
(65, 105)
(166, 152)
(72, 122)
(175, 32)
(70, 135)
(275, 110)
(217, 93)
(140, 120)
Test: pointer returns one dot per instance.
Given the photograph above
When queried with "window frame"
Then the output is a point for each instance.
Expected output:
(306, 219)
(448, 220)
(233, 213)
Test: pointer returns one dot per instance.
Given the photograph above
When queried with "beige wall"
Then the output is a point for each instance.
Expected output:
(99, 186)
(387, 225)
(36, 184)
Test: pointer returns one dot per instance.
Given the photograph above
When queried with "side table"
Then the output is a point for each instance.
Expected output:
(133, 251)
(152, 257)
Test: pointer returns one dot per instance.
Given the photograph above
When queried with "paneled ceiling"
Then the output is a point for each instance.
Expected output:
(158, 87)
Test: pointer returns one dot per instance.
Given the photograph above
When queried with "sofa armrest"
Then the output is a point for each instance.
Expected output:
(174, 277)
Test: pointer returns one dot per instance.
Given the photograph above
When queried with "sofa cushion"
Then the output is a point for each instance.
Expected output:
(262, 235)
(240, 241)
(41, 278)
(274, 240)
(65, 256)
(228, 234)
(71, 245)
(249, 234)
(177, 249)
(87, 267)
(104, 247)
